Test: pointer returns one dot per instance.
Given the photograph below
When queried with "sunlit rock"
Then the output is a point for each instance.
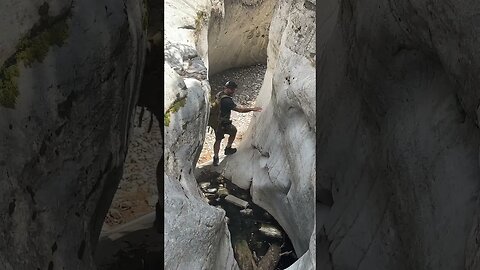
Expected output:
(277, 156)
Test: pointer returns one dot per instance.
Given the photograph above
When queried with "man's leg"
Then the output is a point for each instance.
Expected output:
(216, 146)
(232, 131)
(231, 138)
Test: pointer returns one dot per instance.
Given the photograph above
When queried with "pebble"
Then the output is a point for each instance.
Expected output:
(236, 201)
(246, 212)
(270, 231)
(212, 190)
(204, 185)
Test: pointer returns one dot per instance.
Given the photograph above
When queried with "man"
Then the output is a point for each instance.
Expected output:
(225, 124)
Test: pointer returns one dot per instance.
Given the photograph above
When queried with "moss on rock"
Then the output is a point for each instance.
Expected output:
(8, 86)
(177, 104)
(34, 47)
(31, 50)
(146, 15)
(200, 19)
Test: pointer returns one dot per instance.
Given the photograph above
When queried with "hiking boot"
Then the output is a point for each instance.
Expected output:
(215, 161)
(230, 150)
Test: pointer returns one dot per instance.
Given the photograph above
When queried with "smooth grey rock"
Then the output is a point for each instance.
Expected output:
(64, 138)
(270, 231)
(246, 212)
(236, 201)
(212, 190)
(204, 185)
(276, 158)
(308, 260)
(196, 234)
(210, 227)
(238, 33)
(398, 135)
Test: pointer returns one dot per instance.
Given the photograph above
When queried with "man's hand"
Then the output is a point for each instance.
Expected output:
(257, 109)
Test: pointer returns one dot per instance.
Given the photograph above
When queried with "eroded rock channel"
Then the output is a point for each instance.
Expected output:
(257, 238)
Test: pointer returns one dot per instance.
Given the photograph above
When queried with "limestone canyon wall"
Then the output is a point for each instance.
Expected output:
(196, 234)
(69, 78)
(238, 33)
(398, 139)
(277, 157)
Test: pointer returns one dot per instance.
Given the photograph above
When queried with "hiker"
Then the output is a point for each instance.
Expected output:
(225, 125)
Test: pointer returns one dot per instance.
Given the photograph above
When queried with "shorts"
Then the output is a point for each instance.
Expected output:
(227, 128)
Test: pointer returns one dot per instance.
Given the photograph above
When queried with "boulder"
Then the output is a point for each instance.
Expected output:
(236, 201)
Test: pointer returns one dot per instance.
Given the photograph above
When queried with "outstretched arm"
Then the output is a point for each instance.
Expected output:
(246, 110)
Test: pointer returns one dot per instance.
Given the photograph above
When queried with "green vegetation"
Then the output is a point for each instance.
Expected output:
(8, 86)
(200, 19)
(177, 104)
(32, 48)
(36, 48)
(146, 15)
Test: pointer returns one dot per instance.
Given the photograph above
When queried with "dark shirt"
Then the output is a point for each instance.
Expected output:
(226, 106)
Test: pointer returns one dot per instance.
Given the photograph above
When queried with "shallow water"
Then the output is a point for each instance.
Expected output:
(247, 227)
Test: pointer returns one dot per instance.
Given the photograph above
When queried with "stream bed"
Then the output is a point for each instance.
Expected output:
(251, 224)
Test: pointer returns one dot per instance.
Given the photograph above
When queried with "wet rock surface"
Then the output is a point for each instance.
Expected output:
(249, 81)
(251, 225)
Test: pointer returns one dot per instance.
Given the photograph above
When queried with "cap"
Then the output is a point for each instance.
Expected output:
(231, 85)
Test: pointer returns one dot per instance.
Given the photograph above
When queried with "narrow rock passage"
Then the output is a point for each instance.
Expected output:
(249, 81)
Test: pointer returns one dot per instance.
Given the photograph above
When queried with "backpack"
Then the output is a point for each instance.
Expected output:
(214, 117)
